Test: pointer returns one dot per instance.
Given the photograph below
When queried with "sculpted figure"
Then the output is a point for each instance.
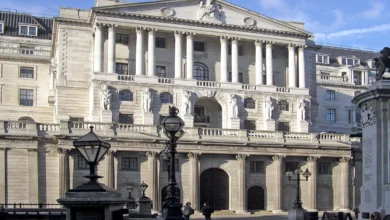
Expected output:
(269, 107)
(187, 102)
(208, 11)
(383, 64)
(234, 106)
(301, 113)
(106, 95)
(147, 100)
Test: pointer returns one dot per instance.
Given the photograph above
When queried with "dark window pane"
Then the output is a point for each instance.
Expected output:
(324, 168)
(283, 105)
(257, 167)
(160, 42)
(24, 30)
(349, 61)
(126, 95)
(331, 115)
(81, 163)
(240, 51)
(126, 119)
(284, 126)
(129, 163)
(27, 72)
(32, 31)
(249, 103)
(240, 78)
(166, 97)
(249, 125)
(199, 46)
(161, 71)
(26, 97)
(330, 95)
(201, 72)
(122, 68)
(122, 38)
(291, 166)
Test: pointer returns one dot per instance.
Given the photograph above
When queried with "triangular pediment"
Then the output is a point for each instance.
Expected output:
(217, 12)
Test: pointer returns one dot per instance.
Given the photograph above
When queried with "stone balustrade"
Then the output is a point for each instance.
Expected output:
(210, 84)
(154, 132)
(330, 78)
(166, 81)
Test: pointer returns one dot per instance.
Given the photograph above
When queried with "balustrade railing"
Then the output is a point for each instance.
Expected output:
(134, 128)
(283, 90)
(219, 132)
(48, 127)
(262, 134)
(25, 51)
(209, 84)
(126, 77)
(166, 81)
(248, 87)
(325, 77)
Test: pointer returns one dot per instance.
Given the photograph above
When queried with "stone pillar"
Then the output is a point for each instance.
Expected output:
(259, 62)
(151, 54)
(302, 73)
(351, 77)
(366, 80)
(344, 187)
(63, 171)
(235, 60)
(139, 59)
(291, 66)
(3, 161)
(110, 169)
(178, 55)
(224, 62)
(312, 184)
(190, 56)
(153, 183)
(51, 80)
(269, 63)
(194, 180)
(111, 64)
(278, 161)
(33, 191)
(98, 50)
(241, 186)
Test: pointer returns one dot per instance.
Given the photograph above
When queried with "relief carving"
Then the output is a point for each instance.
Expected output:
(368, 113)
(209, 10)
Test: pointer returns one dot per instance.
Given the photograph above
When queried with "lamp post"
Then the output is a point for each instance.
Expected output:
(298, 173)
(173, 129)
(131, 204)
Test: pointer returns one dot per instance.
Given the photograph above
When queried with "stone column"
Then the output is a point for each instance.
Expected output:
(111, 64)
(190, 56)
(33, 191)
(241, 186)
(224, 62)
(235, 60)
(194, 180)
(259, 62)
(51, 80)
(3, 161)
(151, 54)
(278, 160)
(302, 73)
(153, 183)
(291, 66)
(344, 187)
(139, 59)
(110, 173)
(178, 55)
(269, 63)
(98, 50)
(63, 171)
(312, 183)
(366, 80)
(351, 76)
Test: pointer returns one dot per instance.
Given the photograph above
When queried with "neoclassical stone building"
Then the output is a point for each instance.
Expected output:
(244, 83)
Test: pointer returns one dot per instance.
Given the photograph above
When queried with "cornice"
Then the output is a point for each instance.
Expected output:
(342, 85)
(200, 23)
(25, 59)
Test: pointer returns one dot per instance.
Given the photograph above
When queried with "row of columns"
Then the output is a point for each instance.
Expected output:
(98, 56)
(194, 179)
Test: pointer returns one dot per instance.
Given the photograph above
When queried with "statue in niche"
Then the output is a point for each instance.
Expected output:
(147, 100)
(187, 102)
(269, 107)
(106, 95)
(233, 106)
(301, 113)
(209, 10)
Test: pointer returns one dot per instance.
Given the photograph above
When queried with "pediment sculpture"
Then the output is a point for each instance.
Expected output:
(209, 10)
(383, 64)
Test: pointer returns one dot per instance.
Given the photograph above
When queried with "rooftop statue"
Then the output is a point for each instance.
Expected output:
(209, 10)
(383, 64)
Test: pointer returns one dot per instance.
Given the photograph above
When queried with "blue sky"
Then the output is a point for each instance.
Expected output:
(350, 23)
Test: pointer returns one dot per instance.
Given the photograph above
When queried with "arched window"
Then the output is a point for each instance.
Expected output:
(201, 72)
(249, 103)
(166, 97)
(126, 95)
(283, 105)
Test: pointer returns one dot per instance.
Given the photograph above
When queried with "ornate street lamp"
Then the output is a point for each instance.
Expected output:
(131, 204)
(173, 129)
(143, 186)
(298, 172)
(93, 149)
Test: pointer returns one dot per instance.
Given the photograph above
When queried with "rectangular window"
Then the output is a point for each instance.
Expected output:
(122, 38)
(126, 118)
(249, 125)
(350, 116)
(291, 166)
(331, 115)
(324, 168)
(240, 77)
(330, 95)
(28, 30)
(256, 166)
(81, 163)
(122, 68)
(26, 97)
(26, 72)
(349, 61)
(161, 71)
(319, 59)
(24, 30)
(27, 50)
(358, 116)
(165, 165)
(199, 46)
(129, 163)
(373, 64)
(1, 27)
(32, 31)
(343, 61)
(284, 126)
(356, 62)
(160, 42)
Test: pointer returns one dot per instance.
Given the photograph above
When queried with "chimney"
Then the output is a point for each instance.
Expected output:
(105, 2)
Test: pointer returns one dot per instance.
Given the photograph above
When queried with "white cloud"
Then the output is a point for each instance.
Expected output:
(28, 7)
(338, 34)
(268, 4)
(375, 11)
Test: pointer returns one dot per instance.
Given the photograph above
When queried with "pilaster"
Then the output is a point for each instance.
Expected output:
(312, 183)
(139, 59)
(278, 169)
(302, 72)
(190, 55)
(235, 60)
(151, 52)
(110, 177)
(63, 155)
(3, 173)
(33, 191)
(178, 54)
(224, 50)
(153, 181)
(344, 184)
(111, 64)
(241, 189)
(259, 62)
(194, 180)
(291, 66)
(98, 49)
(269, 64)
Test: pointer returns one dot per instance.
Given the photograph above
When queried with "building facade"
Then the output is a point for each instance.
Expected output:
(245, 85)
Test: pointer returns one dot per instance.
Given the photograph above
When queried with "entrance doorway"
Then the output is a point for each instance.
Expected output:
(255, 198)
(214, 189)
